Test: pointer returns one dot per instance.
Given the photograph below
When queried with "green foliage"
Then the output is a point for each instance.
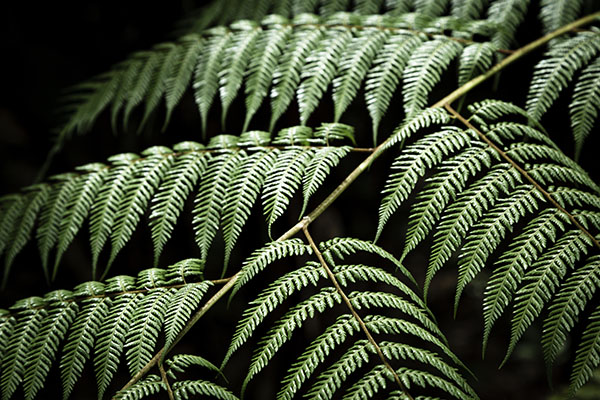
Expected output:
(124, 313)
(490, 194)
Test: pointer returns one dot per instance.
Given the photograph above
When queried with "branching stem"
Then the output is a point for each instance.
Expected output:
(364, 165)
(361, 323)
(165, 380)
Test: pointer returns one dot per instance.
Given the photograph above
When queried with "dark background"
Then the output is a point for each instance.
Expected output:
(47, 47)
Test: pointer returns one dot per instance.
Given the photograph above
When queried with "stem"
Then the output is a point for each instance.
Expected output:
(517, 54)
(165, 380)
(526, 175)
(361, 323)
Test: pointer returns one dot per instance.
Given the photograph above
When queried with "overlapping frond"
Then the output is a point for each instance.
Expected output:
(282, 58)
(125, 314)
(475, 202)
(345, 333)
(558, 70)
(226, 177)
(180, 389)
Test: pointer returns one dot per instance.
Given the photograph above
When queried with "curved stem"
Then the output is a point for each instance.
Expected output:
(364, 165)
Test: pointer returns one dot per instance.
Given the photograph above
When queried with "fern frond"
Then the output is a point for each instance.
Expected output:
(263, 65)
(507, 15)
(177, 83)
(245, 184)
(318, 168)
(139, 88)
(424, 70)
(24, 224)
(148, 386)
(585, 105)
(320, 69)
(45, 345)
(542, 281)
(235, 61)
(568, 303)
(82, 334)
(206, 80)
(386, 73)
(151, 171)
(280, 185)
(353, 66)
(210, 197)
(433, 8)
(553, 73)
(587, 356)
(557, 13)
(190, 389)
(287, 75)
(29, 317)
(475, 59)
(77, 207)
(104, 209)
(468, 9)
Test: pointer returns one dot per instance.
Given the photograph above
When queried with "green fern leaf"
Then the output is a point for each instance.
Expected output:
(183, 68)
(29, 320)
(434, 8)
(572, 197)
(82, 334)
(7, 323)
(554, 72)
(557, 13)
(235, 61)
(136, 196)
(384, 77)
(177, 184)
(421, 120)
(169, 54)
(45, 345)
(130, 75)
(206, 80)
(190, 389)
(315, 354)
(489, 232)
(140, 87)
(353, 66)
(180, 362)
(424, 70)
(585, 104)
(11, 210)
(112, 333)
(411, 165)
(246, 182)
(52, 215)
(274, 295)
(210, 197)
(287, 74)
(181, 306)
(77, 207)
(510, 268)
(468, 9)
(24, 224)
(266, 255)
(568, 303)
(320, 165)
(150, 385)
(442, 189)
(507, 14)
(284, 178)
(146, 320)
(320, 69)
(263, 64)
(475, 59)
(284, 328)
(587, 356)
(465, 212)
(105, 206)
(543, 280)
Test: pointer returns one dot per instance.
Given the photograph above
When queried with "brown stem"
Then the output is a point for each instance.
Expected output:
(366, 163)
(525, 174)
(165, 380)
(361, 323)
